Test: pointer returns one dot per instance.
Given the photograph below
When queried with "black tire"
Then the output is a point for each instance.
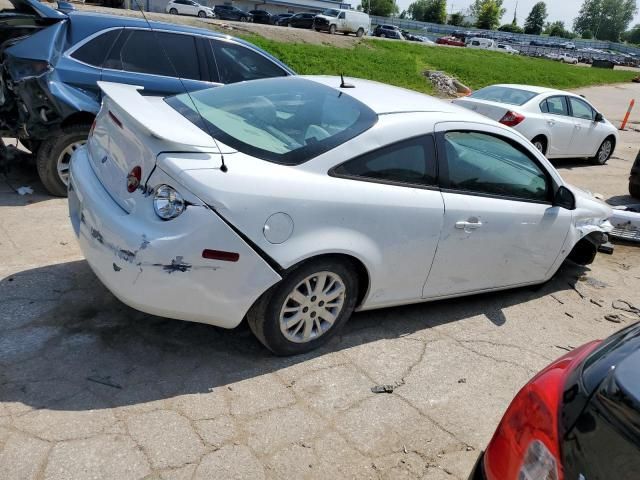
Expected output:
(332, 29)
(50, 153)
(173, 11)
(541, 144)
(243, 19)
(360, 32)
(382, 35)
(634, 188)
(602, 155)
(202, 14)
(264, 315)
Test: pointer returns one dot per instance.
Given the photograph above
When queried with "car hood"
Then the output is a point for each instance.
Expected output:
(37, 8)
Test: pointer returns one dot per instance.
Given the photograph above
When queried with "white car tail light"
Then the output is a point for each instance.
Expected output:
(511, 119)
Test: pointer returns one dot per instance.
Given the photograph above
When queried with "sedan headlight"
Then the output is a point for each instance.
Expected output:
(168, 203)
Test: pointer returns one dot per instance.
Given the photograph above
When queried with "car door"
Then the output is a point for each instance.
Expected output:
(588, 133)
(342, 23)
(192, 7)
(154, 60)
(560, 125)
(500, 227)
(391, 197)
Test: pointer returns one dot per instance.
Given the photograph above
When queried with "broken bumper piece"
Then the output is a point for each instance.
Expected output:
(157, 266)
(626, 223)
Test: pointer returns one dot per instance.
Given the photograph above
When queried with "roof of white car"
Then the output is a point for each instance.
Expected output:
(382, 98)
(533, 88)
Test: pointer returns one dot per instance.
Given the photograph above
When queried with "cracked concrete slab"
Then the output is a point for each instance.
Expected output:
(90, 388)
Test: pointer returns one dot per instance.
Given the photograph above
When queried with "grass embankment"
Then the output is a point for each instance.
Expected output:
(402, 64)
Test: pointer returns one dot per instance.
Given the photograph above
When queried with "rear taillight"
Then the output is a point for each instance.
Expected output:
(511, 119)
(526, 445)
(133, 179)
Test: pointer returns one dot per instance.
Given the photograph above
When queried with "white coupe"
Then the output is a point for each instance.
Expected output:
(295, 201)
(559, 124)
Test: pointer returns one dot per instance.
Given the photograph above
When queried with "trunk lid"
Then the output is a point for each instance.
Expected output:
(493, 110)
(131, 131)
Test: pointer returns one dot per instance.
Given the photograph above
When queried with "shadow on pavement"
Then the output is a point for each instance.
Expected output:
(63, 334)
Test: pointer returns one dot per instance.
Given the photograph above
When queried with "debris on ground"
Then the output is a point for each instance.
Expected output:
(568, 314)
(24, 190)
(576, 289)
(450, 86)
(625, 307)
(383, 389)
(462, 380)
(592, 282)
(567, 348)
(626, 222)
(596, 302)
(614, 318)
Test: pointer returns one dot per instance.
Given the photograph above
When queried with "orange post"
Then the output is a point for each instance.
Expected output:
(626, 117)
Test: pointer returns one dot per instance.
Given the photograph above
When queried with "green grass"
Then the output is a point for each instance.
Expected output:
(402, 64)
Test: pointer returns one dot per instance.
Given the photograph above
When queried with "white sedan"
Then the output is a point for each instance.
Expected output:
(189, 7)
(559, 124)
(295, 201)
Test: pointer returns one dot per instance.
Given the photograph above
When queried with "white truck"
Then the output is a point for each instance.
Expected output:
(335, 20)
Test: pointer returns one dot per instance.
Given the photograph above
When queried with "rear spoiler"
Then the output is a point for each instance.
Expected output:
(156, 116)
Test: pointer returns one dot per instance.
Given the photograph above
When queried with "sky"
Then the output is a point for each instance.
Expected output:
(565, 10)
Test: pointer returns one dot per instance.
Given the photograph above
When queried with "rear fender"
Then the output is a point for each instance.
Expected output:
(46, 45)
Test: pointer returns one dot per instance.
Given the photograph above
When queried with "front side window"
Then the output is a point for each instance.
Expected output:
(581, 109)
(482, 163)
(172, 55)
(341, 15)
(411, 161)
(94, 51)
(557, 106)
(238, 64)
(286, 121)
(330, 12)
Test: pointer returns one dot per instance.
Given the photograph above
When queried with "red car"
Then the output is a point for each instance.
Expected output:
(578, 419)
(450, 41)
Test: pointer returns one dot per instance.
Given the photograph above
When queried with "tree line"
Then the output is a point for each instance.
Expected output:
(599, 19)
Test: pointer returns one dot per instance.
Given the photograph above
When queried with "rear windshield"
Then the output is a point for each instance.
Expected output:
(282, 120)
(510, 96)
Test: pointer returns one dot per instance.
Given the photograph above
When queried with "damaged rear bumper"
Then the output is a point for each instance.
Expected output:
(156, 266)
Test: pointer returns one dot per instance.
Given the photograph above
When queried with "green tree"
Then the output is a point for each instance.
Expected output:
(633, 35)
(381, 8)
(557, 29)
(607, 19)
(489, 13)
(456, 19)
(433, 11)
(535, 21)
(587, 35)
(511, 28)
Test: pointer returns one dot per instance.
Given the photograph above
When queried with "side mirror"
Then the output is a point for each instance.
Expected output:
(564, 198)
(599, 117)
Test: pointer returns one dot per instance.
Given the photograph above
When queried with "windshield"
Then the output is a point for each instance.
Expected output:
(283, 120)
(510, 96)
(331, 12)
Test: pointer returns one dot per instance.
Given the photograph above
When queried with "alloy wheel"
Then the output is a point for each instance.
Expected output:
(64, 161)
(605, 151)
(312, 307)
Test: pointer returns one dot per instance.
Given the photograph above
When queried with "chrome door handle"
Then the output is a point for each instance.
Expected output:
(468, 225)
(551, 122)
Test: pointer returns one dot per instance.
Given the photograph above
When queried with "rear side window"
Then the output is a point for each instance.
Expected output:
(412, 161)
(94, 51)
(238, 64)
(557, 106)
(510, 96)
(482, 163)
(157, 53)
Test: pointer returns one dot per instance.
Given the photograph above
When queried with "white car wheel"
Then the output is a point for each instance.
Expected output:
(604, 152)
(173, 11)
